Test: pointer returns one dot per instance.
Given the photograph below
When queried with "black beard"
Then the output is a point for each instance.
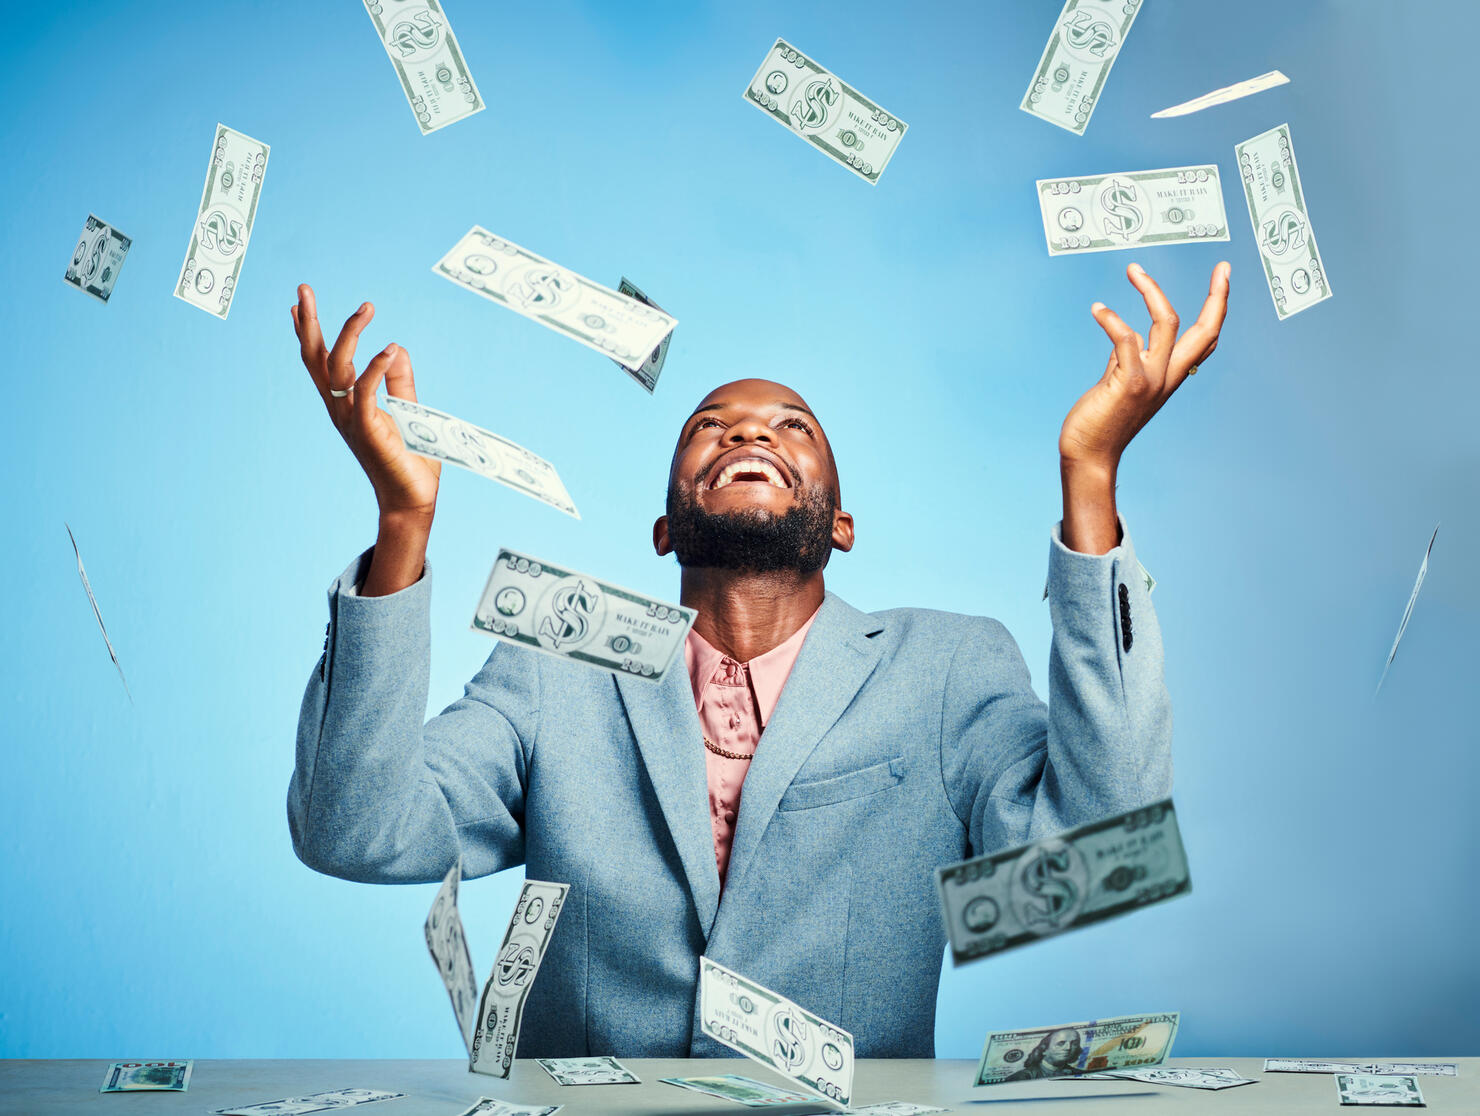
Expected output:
(752, 540)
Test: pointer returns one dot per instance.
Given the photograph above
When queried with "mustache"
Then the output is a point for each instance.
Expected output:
(702, 475)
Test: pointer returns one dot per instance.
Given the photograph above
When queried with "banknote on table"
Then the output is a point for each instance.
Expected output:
(1135, 209)
(1077, 1048)
(424, 51)
(487, 1106)
(314, 1102)
(87, 587)
(894, 1108)
(1076, 62)
(1184, 1076)
(223, 226)
(1388, 1092)
(448, 946)
(828, 113)
(621, 327)
(770, 1029)
(580, 618)
(1098, 871)
(496, 1032)
(1409, 1069)
(1287, 244)
(603, 1070)
(436, 434)
(134, 1077)
(742, 1090)
(651, 368)
(1224, 95)
(1423, 572)
(97, 258)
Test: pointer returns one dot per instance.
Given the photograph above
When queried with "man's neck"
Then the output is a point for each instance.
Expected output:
(748, 614)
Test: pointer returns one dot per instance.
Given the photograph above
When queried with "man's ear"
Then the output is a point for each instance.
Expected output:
(660, 537)
(842, 532)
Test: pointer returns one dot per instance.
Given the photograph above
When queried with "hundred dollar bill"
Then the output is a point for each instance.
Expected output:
(433, 433)
(651, 368)
(1287, 243)
(496, 1033)
(578, 617)
(1423, 572)
(1077, 1048)
(599, 318)
(1107, 212)
(1178, 1075)
(1410, 1069)
(1071, 74)
(1107, 868)
(97, 258)
(223, 227)
(1390, 1092)
(449, 949)
(314, 1102)
(828, 113)
(603, 1070)
(770, 1029)
(82, 573)
(424, 51)
(1224, 95)
(743, 1090)
(130, 1077)
(487, 1106)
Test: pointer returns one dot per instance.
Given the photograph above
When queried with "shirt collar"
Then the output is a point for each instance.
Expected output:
(768, 672)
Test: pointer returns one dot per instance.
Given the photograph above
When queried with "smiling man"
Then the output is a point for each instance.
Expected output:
(782, 804)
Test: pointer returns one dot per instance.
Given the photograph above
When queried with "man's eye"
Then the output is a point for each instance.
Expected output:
(797, 424)
(703, 422)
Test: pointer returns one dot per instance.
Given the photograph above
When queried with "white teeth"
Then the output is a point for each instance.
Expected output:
(750, 465)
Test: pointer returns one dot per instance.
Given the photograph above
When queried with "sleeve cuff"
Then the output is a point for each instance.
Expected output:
(347, 584)
(1073, 576)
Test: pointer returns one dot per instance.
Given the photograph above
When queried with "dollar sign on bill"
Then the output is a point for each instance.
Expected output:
(812, 107)
(1052, 897)
(789, 1045)
(1084, 32)
(573, 605)
(421, 32)
(1117, 198)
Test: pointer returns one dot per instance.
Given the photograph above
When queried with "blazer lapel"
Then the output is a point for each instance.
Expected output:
(836, 659)
(666, 726)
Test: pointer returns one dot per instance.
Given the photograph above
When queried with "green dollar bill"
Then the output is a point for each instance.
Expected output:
(768, 1028)
(1410, 1069)
(825, 111)
(1135, 209)
(1181, 1076)
(733, 1087)
(1084, 44)
(1379, 1091)
(424, 51)
(501, 1011)
(1073, 1049)
(1107, 868)
(315, 1102)
(580, 618)
(651, 368)
(97, 258)
(599, 318)
(1287, 244)
(602, 1070)
(448, 946)
(1224, 95)
(488, 1106)
(163, 1077)
(223, 226)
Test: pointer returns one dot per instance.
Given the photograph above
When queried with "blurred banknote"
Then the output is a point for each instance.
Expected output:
(131, 1077)
(1107, 868)
(1410, 1069)
(1423, 572)
(580, 618)
(1138, 209)
(1370, 1089)
(1224, 95)
(770, 1029)
(434, 433)
(82, 573)
(1077, 60)
(1077, 1048)
(742, 1090)
(223, 227)
(828, 113)
(487, 1106)
(588, 1071)
(623, 328)
(314, 1102)
(1180, 1075)
(648, 374)
(1287, 244)
(449, 949)
(97, 258)
(428, 61)
(894, 1108)
(496, 1033)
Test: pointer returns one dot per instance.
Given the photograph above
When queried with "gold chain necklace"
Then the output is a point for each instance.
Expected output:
(717, 750)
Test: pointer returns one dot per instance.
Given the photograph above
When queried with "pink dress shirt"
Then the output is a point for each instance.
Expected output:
(735, 700)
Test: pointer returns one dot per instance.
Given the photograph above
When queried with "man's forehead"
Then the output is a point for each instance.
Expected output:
(753, 393)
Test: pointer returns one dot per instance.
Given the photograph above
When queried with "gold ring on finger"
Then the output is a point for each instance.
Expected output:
(1192, 371)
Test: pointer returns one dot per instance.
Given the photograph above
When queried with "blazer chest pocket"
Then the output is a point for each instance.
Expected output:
(844, 788)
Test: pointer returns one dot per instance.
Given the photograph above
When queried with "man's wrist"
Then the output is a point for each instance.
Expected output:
(400, 554)
(1091, 522)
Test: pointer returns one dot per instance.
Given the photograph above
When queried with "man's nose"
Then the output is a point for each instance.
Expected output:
(748, 430)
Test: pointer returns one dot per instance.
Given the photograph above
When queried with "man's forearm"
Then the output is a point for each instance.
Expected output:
(1091, 524)
(400, 556)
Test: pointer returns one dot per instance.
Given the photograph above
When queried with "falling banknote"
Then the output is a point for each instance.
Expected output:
(651, 368)
(1423, 572)
(1287, 244)
(775, 1032)
(1138, 209)
(623, 328)
(1410, 1069)
(1077, 1048)
(496, 1031)
(433, 433)
(1383, 1092)
(1107, 868)
(98, 616)
(428, 61)
(1077, 60)
(828, 113)
(97, 258)
(223, 227)
(577, 617)
(448, 946)
(1224, 95)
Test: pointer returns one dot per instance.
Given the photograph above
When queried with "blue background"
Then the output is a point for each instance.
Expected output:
(152, 904)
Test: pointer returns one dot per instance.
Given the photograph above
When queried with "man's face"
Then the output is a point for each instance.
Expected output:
(753, 484)
(1063, 1048)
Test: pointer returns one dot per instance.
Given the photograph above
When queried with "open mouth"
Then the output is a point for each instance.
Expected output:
(749, 470)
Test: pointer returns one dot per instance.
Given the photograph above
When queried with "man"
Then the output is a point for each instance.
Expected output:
(780, 806)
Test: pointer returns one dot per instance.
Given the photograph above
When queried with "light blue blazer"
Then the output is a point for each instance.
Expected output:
(903, 740)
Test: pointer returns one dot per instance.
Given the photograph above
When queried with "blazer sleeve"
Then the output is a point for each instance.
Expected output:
(1015, 769)
(381, 797)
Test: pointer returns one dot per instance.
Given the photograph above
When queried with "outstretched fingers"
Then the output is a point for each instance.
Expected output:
(1163, 318)
(1201, 338)
(364, 396)
(342, 356)
(310, 339)
(398, 378)
(1127, 341)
